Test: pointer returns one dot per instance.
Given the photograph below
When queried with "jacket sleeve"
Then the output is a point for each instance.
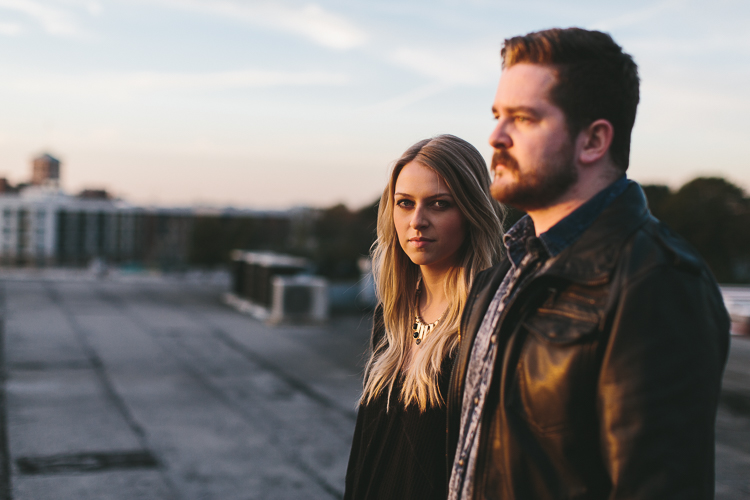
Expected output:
(659, 385)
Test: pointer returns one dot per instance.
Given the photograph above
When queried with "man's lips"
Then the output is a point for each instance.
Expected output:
(502, 160)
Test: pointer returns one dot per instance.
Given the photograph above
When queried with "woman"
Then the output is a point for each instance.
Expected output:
(437, 227)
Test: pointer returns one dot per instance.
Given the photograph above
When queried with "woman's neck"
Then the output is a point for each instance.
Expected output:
(432, 299)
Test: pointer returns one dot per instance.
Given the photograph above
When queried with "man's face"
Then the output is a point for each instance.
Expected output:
(534, 153)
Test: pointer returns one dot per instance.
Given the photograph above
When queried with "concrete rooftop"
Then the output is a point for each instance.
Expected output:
(153, 389)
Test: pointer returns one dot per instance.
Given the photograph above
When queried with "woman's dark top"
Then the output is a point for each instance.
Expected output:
(401, 453)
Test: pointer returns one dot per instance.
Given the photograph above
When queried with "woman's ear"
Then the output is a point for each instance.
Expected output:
(594, 141)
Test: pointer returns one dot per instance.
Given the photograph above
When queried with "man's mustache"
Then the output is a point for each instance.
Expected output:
(502, 157)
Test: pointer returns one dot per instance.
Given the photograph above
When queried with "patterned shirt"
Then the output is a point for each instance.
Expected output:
(484, 352)
(527, 253)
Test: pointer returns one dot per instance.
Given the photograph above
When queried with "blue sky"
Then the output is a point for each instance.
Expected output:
(283, 103)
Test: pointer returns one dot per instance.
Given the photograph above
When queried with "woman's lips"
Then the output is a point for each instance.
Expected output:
(420, 242)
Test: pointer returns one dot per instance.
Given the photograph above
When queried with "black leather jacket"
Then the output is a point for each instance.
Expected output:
(608, 372)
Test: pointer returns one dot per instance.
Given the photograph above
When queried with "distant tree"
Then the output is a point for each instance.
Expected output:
(344, 237)
(214, 237)
(710, 213)
(657, 196)
(714, 216)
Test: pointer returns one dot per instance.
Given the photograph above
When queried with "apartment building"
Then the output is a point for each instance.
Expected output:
(43, 226)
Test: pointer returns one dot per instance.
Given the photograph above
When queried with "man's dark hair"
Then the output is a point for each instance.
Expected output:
(595, 80)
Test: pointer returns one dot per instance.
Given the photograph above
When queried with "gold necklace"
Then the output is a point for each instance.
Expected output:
(421, 329)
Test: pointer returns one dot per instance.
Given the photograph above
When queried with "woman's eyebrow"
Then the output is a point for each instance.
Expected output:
(439, 195)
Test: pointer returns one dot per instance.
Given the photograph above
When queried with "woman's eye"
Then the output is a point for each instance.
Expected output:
(404, 203)
(442, 204)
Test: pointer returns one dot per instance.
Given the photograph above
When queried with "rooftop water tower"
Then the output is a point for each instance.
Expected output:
(46, 170)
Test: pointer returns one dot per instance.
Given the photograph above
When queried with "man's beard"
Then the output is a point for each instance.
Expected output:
(538, 188)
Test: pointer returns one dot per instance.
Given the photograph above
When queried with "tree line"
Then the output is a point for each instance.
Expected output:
(711, 213)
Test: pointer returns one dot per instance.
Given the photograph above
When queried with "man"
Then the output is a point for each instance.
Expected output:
(592, 357)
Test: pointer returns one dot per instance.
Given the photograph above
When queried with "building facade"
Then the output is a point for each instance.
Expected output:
(42, 226)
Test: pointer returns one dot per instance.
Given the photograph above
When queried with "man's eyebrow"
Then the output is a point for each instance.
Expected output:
(516, 109)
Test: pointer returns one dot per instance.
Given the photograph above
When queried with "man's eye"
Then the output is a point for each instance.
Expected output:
(522, 119)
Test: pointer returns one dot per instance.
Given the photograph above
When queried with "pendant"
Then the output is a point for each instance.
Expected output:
(420, 330)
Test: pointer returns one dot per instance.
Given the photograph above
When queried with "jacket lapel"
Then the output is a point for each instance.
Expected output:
(593, 257)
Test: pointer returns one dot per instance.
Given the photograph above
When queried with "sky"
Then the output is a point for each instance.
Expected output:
(288, 103)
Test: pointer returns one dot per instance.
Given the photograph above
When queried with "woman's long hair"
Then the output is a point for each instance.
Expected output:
(465, 172)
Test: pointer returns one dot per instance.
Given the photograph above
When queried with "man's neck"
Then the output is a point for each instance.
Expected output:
(585, 189)
(547, 217)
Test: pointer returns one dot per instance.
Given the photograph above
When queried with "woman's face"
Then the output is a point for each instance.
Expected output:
(429, 224)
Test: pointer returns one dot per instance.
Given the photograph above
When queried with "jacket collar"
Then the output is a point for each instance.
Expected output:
(592, 257)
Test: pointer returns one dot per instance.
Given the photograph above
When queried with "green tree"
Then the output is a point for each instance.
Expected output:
(344, 237)
(714, 216)
(214, 237)
(657, 196)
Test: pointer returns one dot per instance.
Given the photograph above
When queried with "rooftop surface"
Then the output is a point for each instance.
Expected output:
(153, 388)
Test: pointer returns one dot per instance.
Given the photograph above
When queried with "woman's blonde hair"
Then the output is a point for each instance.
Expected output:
(465, 173)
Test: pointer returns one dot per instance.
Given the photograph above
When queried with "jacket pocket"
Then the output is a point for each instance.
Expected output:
(558, 326)
(556, 368)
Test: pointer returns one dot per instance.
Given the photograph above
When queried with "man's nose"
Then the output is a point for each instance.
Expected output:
(499, 136)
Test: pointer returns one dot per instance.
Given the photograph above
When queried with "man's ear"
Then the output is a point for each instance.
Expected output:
(594, 141)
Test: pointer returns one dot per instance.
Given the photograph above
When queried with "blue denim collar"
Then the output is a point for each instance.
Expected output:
(516, 237)
(521, 237)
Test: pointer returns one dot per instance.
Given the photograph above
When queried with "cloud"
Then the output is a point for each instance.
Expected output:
(469, 66)
(638, 16)
(11, 29)
(124, 84)
(718, 43)
(406, 99)
(310, 21)
(53, 20)
(94, 8)
(231, 79)
(694, 101)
